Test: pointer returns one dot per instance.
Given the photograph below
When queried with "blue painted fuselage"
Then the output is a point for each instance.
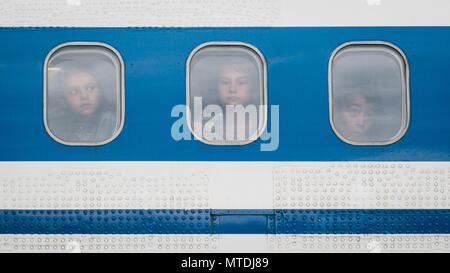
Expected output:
(155, 67)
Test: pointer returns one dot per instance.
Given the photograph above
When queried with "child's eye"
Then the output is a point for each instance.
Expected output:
(224, 81)
(355, 111)
(73, 91)
(91, 88)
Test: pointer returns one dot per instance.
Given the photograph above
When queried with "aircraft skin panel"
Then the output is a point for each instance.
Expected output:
(222, 13)
(147, 191)
(224, 185)
(202, 206)
(251, 243)
(155, 83)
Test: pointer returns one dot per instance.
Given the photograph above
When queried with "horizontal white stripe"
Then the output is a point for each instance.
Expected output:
(224, 185)
(225, 243)
(196, 13)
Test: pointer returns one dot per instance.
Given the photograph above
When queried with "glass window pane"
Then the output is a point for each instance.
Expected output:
(226, 94)
(369, 94)
(84, 96)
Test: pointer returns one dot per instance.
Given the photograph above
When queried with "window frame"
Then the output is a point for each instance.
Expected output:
(121, 97)
(405, 90)
(264, 90)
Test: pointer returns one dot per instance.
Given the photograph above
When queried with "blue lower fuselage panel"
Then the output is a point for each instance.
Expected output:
(224, 221)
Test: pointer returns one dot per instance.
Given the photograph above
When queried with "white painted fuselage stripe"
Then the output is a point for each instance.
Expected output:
(76, 243)
(224, 185)
(222, 13)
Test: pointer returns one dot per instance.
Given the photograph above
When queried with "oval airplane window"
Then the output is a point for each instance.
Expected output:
(83, 94)
(369, 93)
(226, 93)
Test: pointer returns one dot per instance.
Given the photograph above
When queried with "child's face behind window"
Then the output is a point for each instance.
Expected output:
(357, 115)
(82, 93)
(233, 87)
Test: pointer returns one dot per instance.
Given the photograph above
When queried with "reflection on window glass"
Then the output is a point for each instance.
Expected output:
(83, 94)
(227, 94)
(369, 94)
